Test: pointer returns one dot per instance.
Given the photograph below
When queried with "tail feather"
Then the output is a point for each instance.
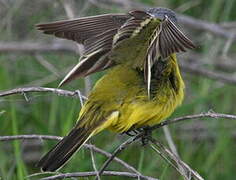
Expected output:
(62, 152)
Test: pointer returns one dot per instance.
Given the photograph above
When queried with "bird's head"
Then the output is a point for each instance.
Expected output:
(161, 13)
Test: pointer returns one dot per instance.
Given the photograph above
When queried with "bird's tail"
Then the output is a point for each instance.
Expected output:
(62, 152)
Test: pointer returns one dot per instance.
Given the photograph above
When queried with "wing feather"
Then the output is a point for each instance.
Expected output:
(84, 28)
(172, 39)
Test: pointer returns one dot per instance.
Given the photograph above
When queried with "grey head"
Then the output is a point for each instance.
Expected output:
(161, 13)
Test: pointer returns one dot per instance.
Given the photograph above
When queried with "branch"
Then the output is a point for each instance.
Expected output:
(58, 138)
(196, 116)
(225, 78)
(116, 152)
(172, 159)
(187, 21)
(201, 25)
(76, 94)
(105, 173)
(29, 47)
(60, 92)
(64, 47)
(173, 149)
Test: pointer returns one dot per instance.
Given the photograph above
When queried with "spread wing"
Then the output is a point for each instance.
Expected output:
(172, 39)
(166, 40)
(95, 33)
(132, 26)
(98, 46)
(81, 29)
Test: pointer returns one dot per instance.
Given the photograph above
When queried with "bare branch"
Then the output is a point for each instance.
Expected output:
(117, 151)
(196, 116)
(30, 136)
(105, 173)
(60, 92)
(87, 146)
(76, 94)
(225, 78)
(61, 47)
(94, 163)
(187, 21)
(169, 156)
(107, 154)
(51, 68)
(173, 148)
(30, 47)
(68, 7)
(201, 25)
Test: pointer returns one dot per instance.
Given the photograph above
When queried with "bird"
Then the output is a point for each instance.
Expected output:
(142, 85)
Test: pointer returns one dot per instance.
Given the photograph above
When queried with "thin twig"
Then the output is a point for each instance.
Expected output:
(225, 78)
(60, 92)
(51, 68)
(107, 154)
(117, 151)
(202, 25)
(105, 173)
(165, 152)
(68, 7)
(76, 94)
(94, 164)
(30, 47)
(195, 116)
(187, 21)
(63, 47)
(87, 146)
(173, 148)
(63, 92)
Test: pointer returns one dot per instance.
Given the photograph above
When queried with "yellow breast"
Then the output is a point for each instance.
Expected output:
(121, 97)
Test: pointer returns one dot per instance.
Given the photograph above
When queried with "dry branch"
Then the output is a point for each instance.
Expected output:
(116, 152)
(58, 138)
(126, 143)
(201, 25)
(196, 116)
(187, 21)
(105, 173)
(60, 92)
(29, 47)
(224, 78)
(173, 159)
(77, 94)
(60, 47)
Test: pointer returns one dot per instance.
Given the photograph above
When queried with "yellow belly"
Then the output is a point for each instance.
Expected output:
(120, 100)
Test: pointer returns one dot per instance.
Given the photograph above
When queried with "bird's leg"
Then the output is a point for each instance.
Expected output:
(131, 132)
(147, 132)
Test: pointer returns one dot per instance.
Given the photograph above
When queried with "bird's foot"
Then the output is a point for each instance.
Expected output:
(132, 132)
(146, 134)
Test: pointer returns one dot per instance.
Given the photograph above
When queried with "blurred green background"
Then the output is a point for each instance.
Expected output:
(207, 145)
